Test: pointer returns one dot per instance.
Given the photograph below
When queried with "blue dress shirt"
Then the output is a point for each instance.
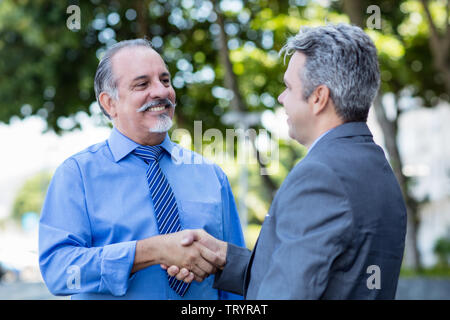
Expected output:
(98, 205)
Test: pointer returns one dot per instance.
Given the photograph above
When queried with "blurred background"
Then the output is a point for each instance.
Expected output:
(223, 58)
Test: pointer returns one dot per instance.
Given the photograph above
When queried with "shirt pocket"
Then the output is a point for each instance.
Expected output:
(202, 215)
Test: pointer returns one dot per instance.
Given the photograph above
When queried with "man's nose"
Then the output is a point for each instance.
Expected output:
(281, 98)
(158, 90)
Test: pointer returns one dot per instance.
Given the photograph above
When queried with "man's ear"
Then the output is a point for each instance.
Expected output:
(319, 98)
(108, 103)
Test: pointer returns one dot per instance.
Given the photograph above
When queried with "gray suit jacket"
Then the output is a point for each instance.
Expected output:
(335, 230)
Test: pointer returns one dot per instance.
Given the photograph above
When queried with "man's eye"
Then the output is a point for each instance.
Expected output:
(141, 84)
(166, 81)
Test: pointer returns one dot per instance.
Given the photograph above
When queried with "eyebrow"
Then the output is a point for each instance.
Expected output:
(139, 78)
(164, 74)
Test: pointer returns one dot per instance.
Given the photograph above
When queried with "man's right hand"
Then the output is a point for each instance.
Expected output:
(211, 249)
(181, 251)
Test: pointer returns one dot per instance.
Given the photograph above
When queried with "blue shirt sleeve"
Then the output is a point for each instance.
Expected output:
(69, 262)
(231, 226)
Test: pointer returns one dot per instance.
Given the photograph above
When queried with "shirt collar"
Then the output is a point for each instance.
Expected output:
(317, 140)
(120, 145)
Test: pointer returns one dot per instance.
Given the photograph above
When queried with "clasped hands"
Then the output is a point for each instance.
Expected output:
(196, 256)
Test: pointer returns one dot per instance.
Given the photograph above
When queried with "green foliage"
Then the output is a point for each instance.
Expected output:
(441, 268)
(433, 272)
(31, 196)
(43, 64)
(49, 69)
(251, 235)
(442, 250)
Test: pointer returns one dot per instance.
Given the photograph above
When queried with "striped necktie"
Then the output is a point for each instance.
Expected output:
(164, 202)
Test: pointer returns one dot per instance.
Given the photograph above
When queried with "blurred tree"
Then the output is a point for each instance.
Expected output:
(439, 37)
(442, 250)
(45, 68)
(48, 70)
(31, 196)
(412, 66)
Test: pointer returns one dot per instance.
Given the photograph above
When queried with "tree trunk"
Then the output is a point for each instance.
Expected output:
(390, 130)
(231, 83)
(354, 10)
(230, 79)
(440, 44)
(142, 7)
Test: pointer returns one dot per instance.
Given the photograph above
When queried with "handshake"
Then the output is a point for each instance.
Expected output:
(187, 255)
(204, 255)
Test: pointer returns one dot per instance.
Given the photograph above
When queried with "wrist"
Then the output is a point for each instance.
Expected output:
(149, 251)
(223, 253)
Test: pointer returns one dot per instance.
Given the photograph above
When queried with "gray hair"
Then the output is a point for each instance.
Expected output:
(104, 80)
(343, 58)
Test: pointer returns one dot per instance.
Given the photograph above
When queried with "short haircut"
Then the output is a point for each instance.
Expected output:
(343, 58)
(104, 80)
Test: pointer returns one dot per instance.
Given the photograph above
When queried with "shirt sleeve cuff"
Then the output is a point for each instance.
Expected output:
(116, 265)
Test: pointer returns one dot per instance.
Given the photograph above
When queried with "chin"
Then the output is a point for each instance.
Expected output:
(296, 138)
(163, 124)
(291, 134)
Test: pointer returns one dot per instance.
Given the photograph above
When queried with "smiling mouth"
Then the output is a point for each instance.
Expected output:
(156, 108)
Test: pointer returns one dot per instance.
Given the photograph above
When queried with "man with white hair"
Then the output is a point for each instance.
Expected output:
(337, 225)
(117, 210)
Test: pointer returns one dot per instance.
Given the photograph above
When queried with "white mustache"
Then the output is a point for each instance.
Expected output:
(165, 102)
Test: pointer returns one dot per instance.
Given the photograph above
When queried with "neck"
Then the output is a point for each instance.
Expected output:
(149, 139)
(153, 139)
(321, 129)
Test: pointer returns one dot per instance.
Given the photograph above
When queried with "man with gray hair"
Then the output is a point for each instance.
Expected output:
(117, 210)
(337, 225)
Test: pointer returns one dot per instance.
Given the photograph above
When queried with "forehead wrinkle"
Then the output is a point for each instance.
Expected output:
(120, 54)
(144, 76)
